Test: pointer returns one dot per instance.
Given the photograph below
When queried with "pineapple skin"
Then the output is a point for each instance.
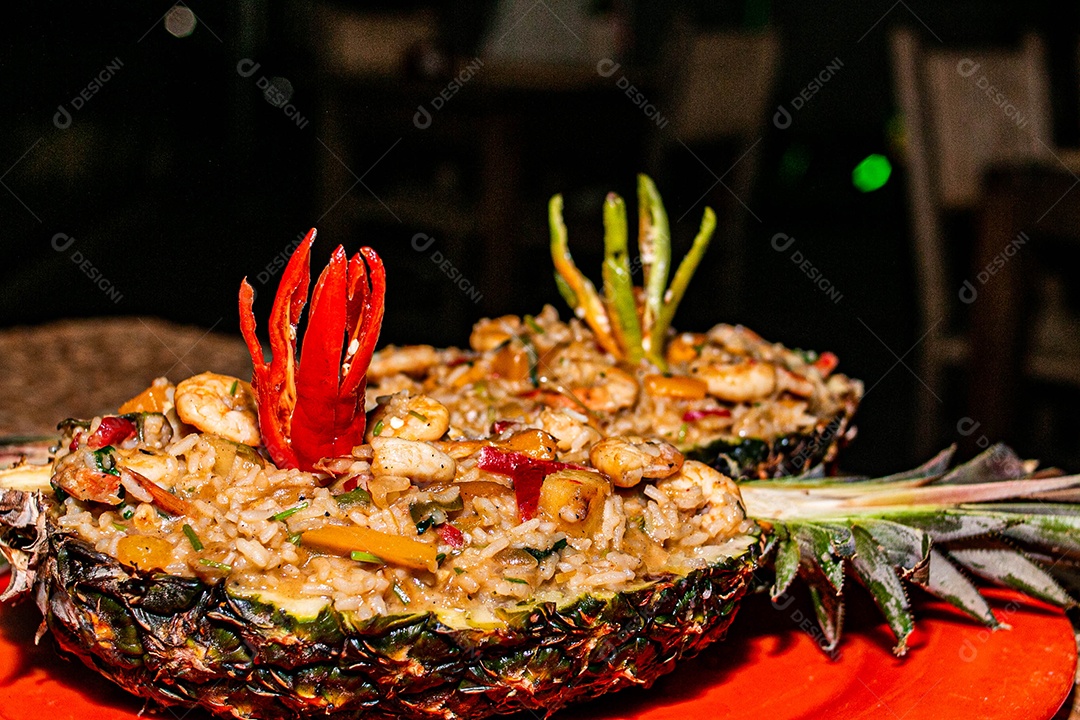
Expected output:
(179, 641)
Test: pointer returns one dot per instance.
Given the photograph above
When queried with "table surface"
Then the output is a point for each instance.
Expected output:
(79, 368)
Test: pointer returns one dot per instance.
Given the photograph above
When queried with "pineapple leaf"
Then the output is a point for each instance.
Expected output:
(933, 467)
(875, 570)
(907, 548)
(950, 525)
(1060, 534)
(997, 462)
(786, 562)
(1012, 569)
(948, 583)
(816, 546)
(829, 609)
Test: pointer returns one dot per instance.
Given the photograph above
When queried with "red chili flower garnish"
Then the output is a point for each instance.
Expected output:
(826, 363)
(451, 536)
(528, 475)
(695, 415)
(112, 431)
(313, 407)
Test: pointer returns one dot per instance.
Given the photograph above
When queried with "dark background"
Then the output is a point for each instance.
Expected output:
(178, 176)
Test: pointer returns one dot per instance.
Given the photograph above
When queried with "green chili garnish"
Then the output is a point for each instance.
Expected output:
(291, 511)
(618, 282)
(192, 537)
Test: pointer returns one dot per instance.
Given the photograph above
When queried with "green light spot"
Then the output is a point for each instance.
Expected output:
(871, 173)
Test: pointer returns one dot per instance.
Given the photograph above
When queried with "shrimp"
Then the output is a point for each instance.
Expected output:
(415, 417)
(628, 459)
(738, 382)
(699, 485)
(407, 360)
(796, 384)
(219, 404)
(408, 458)
(606, 388)
(82, 476)
(570, 432)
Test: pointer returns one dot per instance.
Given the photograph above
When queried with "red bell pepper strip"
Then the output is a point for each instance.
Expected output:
(526, 472)
(112, 431)
(694, 415)
(451, 536)
(826, 363)
(312, 407)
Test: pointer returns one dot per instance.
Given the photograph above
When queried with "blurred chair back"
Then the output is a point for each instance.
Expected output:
(963, 111)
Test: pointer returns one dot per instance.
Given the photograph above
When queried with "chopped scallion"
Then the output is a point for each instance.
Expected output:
(458, 570)
(361, 556)
(377, 429)
(533, 325)
(516, 581)
(440, 557)
(401, 594)
(418, 416)
(291, 511)
(215, 564)
(232, 388)
(119, 527)
(196, 543)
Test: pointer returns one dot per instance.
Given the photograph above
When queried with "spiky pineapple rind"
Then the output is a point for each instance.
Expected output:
(179, 641)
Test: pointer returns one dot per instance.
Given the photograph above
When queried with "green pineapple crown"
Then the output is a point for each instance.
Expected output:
(993, 517)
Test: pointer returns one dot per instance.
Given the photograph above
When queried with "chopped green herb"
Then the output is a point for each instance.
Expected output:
(541, 554)
(354, 497)
(440, 557)
(429, 514)
(682, 434)
(533, 325)
(401, 594)
(377, 430)
(215, 564)
(192, 537)
(291, 511)
(61, 494)
(458, 570)
(516, 581)
(295, 539)
(232, 388)
(361, 556)
(119, 527)
(105, 461)
(534, 361)
(128, 512)
(418, 416)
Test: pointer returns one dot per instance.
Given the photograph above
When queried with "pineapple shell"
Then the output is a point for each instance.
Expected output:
(179, 641)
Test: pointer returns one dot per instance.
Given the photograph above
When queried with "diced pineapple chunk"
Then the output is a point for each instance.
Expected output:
(574, 501)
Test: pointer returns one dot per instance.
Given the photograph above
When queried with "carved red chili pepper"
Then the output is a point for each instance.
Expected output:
(313, 407)
(112, 431)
